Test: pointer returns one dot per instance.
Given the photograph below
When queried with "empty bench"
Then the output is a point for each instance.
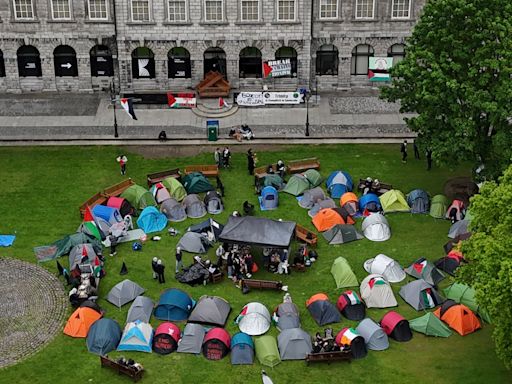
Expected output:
(98, 198)
(133, 373)
(297, 166)
(102, 197)
(329, 357)
(305, 235)
(207, 170)
(262, 284)
(116, 189)
(157, 177)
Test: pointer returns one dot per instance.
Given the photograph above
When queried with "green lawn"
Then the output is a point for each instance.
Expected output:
(41, 189)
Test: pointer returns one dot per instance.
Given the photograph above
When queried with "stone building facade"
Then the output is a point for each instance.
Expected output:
(160, 45)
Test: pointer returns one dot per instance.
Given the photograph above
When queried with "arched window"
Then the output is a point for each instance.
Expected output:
(29, 61)
(250, 62)
(2, 64)
(397, 52)
(101, 61)
(64, 61)
(360, 55)
(179, 63)
(327, 60)
(215, 60)
(284, 53)
(143, 63)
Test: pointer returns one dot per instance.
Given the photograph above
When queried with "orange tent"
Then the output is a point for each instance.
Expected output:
(329, 217)
(317, 297)
(459, 317)
(350, 202)
(80, 321)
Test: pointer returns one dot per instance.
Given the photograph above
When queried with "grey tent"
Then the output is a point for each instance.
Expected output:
(376, 227)
(420, 295)
(287, 316)
(173, 210)
(294, 344)
(317, 207)
(311, 197)
(419, 201)
(213, 202)
(258, 231)
(342, 233)
(210, 310)
(206, 226)
(103, 336)
(374, 336)
(323, 311)
(124, 292)
(242, 349)
(194, 207)
(424, 269)
(79, 252)
(194, 243)
(141, 309)
(192, 339)
(459, 228)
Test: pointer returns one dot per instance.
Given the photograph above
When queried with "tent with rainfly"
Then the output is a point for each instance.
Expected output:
(139, 197)
(424, 269)
(210, 310)
(374, 336)
(159, 192)
(123, 205)
(418, 200)
(267, 351)
(297, 185)
(175, 188)
(173, 210)
(254, 319)
(294, 344)
(342, 273)
(369, 203)
(438, 206)
(242, 349)
(82, 254)
(207, 226)
(321, 204)
(430, 325)
(80, 322)
(165, 339)
(174, 304)
(396, 326)
(269, 199)
(376, 227)
(216, 344)
(458, 317)
(352, 338)
(327, 218)
(287, 315)
(141, 310)
(338, 183)
(196, 182)
(394, 201)
(385, 266)
(194, 206)
(322, 310)
(376, 292)
(137, 336)
(192, 339)
(314, 178)
(311, 197)
(151, 220)
(351, 306)
(420, 295)
(342, 233)
(124, 292)
(463, 294)
(213, 203)
(350, 202)
(272, 180)
(103, 336)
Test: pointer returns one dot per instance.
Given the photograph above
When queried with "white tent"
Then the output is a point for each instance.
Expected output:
(137, 336)
(254, 319)
(376, 227)
(376, 292)
(385, 266)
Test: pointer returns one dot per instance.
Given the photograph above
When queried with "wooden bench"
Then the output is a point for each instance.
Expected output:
(157, 177)
(207, 170)
(297, 166)
(305, 235)
(329, 356)
(98, 198)
(135, 374)
(116, 189)
(383, 187)
(262, 171)
(262, 284)
(216, 277)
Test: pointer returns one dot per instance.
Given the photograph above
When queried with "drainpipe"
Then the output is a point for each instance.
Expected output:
(114, 15)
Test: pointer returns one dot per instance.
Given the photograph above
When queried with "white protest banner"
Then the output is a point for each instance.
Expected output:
(250, 99)
(283, 97)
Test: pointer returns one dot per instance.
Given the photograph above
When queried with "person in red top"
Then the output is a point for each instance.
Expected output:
(122, 160)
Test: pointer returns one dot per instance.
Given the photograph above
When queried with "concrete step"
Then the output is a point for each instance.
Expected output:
(209, 111)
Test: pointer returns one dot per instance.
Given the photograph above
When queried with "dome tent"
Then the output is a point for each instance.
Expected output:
(297, 185)
(394, 201)
(322, 310)
(458, 207)
(196, 182)
(338, 183)
(420, 295)
(350, 202)
(438, 206)
(216, 344)
(194, 243)
(314, 177)
(418, 200)
(376, 227)
(137, 336)
(175, 188)
(192, 339)
(294, 344)
(352, 338)
(459, 228)
(327, 218)
(194, 207)
(459, 317)
(166, 338)
(80, 322)
(254, 319)
(369, 203)
(213, 202)
(267, 351)
(139, 197)
(342, 273)
(322, 204)
(376, 292)
(463, 294)
(207, 228)
(103, 336)
(242, 349)
(159, 192)
(174, 304)
(109, 214)
(210, 310)
(342, 233)
(430, 325)
(269, 198)
(150, 220)
(124, 292)
(351, 306)
(311, 197)
(287, 315)
(141, 310)
(83, 254)
(374, 336)
(396, 326)
(123, 205)
(424, 269)
(173, 210)
(385, 266)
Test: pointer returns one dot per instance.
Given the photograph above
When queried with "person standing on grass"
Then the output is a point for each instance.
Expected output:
(113, 245)
(429, 159)
(403, 150)
(250, 162)
(416, 151)
(217, 156)
(226, 155)
(153, 267)
(122, 160)
(179, 262)
(160, 268)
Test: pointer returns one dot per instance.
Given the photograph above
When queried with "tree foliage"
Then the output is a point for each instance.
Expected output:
(489, 268)
(457, 77)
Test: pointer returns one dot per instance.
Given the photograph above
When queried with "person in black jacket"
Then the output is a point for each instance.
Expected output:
(160, 268)
(403, 150)
(250, 162)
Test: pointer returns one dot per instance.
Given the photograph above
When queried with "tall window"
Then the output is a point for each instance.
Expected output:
(140, 10)
(328, 9)
(2, 65)
(327, 60)
(98, 10)
(286, 10)
(250, 10)
(23, 9)
(179, 63)
(61, 9)
(213, 10)
(143, 63)
(177, 10)
(364, 9)
(360, 57)
(250, 62)
(401, 9)
(397, 52)
(288, 53)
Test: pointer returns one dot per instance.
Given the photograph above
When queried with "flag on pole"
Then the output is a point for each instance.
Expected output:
(171, 100)
(223, 103)
(90, 224)
(127, 105)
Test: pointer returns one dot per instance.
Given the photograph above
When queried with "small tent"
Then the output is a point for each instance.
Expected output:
(269, 198)
(314, 177)
(213, 202)
(103, 336)
(194, 243)
(338, 183)
(342, 233)
(210, 310)
(438, 206)
(297, 185)
(109, 214)
(216, 344)
(174, 304)
(294, 344)
(374, 336)
(319, 205)
(376, 227)
(242, 349)
(322, 310)
(139, 197)
(287, 315)
(175, 188)
(350, 202)
(196, 182)
(82, 254)
(192, 339)
(159, 192)
(150, 220)
(420, 295)
(456, 210)
(342, 273)
(267, 351)
(124, 292)
(393, 201)
(352, 338)
(376, 292)
(166, 338)
(369, 203)
(458, 317)
(254, 319)
(141, 310)
(327, 218)
(459, 228)
(173, 210)
(418, 200)
(463, 294)
(137, 336)
(123, 205)
(396, 326)
(194, 207)
(80, 322)
(351, 306)
(385, 266)
(209, 228)
(430, 325)
(311, 197)
(424, 269)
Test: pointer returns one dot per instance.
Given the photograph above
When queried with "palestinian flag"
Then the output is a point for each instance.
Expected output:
(420, 266)
(376, 281)
(127, 105)
(374, 75)
(353, 297)
(267, 70)
(426, 296)
(242, 314)
(171, 100)
(223, 103)
(90, 224)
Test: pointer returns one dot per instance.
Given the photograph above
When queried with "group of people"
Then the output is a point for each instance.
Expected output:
(238, 259)
(244, 132)
(325, 343)
(158, 270)
(129, 363)
(222, 157)
(428, 154)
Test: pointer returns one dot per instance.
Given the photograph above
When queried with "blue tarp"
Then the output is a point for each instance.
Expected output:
(150, 220)
(174, 305)
(6, 240)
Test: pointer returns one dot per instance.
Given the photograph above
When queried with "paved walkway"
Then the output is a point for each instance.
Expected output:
(33, 307)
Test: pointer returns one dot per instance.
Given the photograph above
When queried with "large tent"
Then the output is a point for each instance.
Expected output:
(424, 269)
(430, 325)
(192, 339)
(319, 205)
(418, 200)
(314, 178)
(103, 336)
(80, 322)
(338, 183)
(394, 201)
(210, 310)
(65, 245)
(342, 233)
(196, 182)
(350, 202)
(311, 197)
(175, 188)
(374, 336)
(216, 344)
(151, 220)
(376, 292)
(139, 197)
(141, 310)
(194, 206)
(82, 254)
(267, 351)
(166, 337)
(385, 266)
(322, 310)
(369, 203)
(396, 326)
(459, 317)
(327, 218)
(173, 210)
(463, 294)
(294, 344)
(258, 231)
(208, 228)
(137, 336)
(213, 202)
(242, 349)
(124, 292)
(123, 205)
(174, 304)
(438, 206)
(159, 192)
(351, 306)
(420, 295)
(194, 243)
(287, 315)
(342, 273)
(109, 214)
(254, 319)
(297, 185)
(376, 227)
(269, 198)
(352, 338)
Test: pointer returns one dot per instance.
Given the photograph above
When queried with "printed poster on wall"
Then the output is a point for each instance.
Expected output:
(378, 68)
(277, 68)
(254, 99)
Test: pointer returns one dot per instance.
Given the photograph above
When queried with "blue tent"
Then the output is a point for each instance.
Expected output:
(419, 201)
(150, 220)
(174, 305)
(109, 214)
(242, 349)
(103, 336)
(338, 183)
(269, 198)
(137, 336)
(371, 202)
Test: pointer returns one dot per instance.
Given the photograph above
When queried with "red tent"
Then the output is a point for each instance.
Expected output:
(166, 338)
(216, 344)
(123, 205)
(396, 326)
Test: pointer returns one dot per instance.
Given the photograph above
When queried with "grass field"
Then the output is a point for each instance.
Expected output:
(41, 189)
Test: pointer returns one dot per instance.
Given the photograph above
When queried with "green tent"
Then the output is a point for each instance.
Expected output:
(394, 201)
(63, 246)
(343, 274)
(463, 294)
(430, 325)
(196, 182)
(266, 350)
(139, 197)
(314, 177)
(438, 206)
(297, 185)
(273, 180)
(175, 188)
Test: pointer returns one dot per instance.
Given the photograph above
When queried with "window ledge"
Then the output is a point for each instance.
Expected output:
(393, 20)
(239, 22)
(177, 23)
(140, 23)
(89, 21)
(374, 20)
(61, 21)
(334, 20)
(277, 22)
(27, 21)
(213, 23)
